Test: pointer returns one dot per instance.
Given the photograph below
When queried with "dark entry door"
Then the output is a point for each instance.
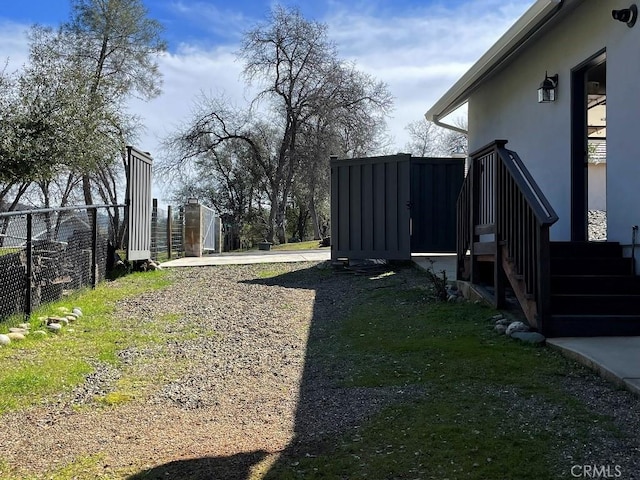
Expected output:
(435, 185)
(588, 92)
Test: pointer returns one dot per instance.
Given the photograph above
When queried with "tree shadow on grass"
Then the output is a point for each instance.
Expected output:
(326, 407)
(234, 467)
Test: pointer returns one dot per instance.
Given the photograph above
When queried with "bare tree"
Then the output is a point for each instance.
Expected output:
(453, 142)
(425, 138)
(301, 82)
(428, 140)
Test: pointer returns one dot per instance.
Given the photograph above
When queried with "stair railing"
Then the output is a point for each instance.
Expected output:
(503, 203)
(463, 226)
(634, 239)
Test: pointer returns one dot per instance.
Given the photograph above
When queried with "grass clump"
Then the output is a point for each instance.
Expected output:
(85, 467)
(40, 366)
(310, 245)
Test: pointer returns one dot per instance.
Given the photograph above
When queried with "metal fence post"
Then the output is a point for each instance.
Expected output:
(181, 217)
(94, 247)
(29, 271)
(154, 229)
(169, 230)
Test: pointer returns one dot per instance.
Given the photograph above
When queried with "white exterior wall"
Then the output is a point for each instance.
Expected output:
(597, 186)
(506, 107)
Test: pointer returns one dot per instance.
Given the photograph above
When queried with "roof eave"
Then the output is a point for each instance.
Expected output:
(521, 31)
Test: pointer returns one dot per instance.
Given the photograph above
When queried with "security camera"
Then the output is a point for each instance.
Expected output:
(626, 15)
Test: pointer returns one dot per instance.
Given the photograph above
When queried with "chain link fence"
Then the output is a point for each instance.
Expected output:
(47, 254)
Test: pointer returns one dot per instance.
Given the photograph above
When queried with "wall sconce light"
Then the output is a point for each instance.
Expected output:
(626, 15)
(547, 90)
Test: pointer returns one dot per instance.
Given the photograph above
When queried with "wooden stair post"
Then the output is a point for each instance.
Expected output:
(509, 220)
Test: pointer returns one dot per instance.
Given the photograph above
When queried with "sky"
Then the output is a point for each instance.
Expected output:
(419, 48)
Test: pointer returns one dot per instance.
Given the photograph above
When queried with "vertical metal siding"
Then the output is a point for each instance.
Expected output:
(379, 202)
(435, 186)
(139, 204)
(368, 234)
(369, 208)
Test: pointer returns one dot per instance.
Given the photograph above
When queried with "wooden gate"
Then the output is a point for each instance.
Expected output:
(435, 185)
(139, 204)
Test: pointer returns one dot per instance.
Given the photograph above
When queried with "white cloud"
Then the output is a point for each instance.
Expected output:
(187, 74)
(419, 54)
(226, 23)
(14, 48)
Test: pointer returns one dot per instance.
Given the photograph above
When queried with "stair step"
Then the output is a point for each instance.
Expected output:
(586, 249)
(595, 284)
(595, 304)
(592, 325)
(591, 266)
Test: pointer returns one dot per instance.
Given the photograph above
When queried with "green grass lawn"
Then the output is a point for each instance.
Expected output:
(310, 245)
(474, 417)
(32, 367)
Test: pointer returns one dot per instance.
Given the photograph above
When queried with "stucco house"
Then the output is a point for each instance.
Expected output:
(561, 90)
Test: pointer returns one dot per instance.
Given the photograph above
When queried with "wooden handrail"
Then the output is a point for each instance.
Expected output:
(502, 209)
(542, 209)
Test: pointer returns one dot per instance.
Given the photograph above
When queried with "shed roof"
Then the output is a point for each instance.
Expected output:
(520, 33)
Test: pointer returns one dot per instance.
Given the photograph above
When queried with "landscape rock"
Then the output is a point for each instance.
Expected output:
(71, 317)
(4, 340)
(26, 326)
(63, 321)
(154, 266)
(39, 333)
(15, 336)
(51, 320)
(54, 327)
(500, 328)
(18, 330)
(504, 321)
(533, 338)
(77, 311)
(516, 327)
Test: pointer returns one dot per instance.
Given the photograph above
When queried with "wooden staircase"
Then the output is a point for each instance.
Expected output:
(594, 291)
(564, 288)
